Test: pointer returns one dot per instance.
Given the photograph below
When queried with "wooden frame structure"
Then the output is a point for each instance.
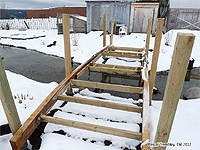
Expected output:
(39, 115)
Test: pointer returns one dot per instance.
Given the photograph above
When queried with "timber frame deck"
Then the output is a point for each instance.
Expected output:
(40, 114)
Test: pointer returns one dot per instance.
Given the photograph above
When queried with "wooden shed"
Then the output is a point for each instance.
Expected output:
(184, 14)
(78, 24)
(140, 13)
(117, 9)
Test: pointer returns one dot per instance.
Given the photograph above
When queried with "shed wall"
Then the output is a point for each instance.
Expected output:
(120, 11)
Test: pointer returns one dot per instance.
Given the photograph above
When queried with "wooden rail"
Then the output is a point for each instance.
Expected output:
(126, 48)
(123, 54)
(106, 86)
(99, 103)
(115, 70)
(92, 127)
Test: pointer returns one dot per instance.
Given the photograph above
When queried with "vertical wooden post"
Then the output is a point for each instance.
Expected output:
(66, 35)
(155, 57)
(8, 102)
(148, 35)
(104, 29)
(178, 69)
(112, 30)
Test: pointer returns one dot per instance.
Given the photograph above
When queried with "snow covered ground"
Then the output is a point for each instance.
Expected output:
(88, 44)
(186, 124)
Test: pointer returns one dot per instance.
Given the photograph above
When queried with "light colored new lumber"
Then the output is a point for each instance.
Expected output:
(97, 58)
(20, 137)
(92, 127)
(106, 86)
(82, 72)
(123, 54)
(178, 69)
(118, 66)
(146, 113)
(148, 35)
(104, 29)
(115, 70)
(126, 48)
(112, 30)
(99, 103)
(66, 36)
(155, 56)
(8, 101)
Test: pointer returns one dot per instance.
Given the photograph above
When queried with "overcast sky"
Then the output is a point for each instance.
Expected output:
(38, 4)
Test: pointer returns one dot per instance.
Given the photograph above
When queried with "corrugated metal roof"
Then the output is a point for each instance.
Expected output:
(110, 1)
(194, 4)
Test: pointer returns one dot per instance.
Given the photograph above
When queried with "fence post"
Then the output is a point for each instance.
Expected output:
(178, 69)
(155, 57)
(148, 35)
(66, 35)
(104, 29)
(8, 101)
(112, 30)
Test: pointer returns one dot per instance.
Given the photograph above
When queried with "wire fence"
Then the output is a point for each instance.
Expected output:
(39, 23)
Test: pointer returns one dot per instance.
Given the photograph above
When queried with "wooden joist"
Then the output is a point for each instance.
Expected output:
(99, 103)
(106, 86)
(123, 54)
(92, 127)
(115, 70)
(126, 48)
(20, 137)
(118, 66)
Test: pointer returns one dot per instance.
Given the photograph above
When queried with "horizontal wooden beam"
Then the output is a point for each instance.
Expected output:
(126, 48)
(20, 137)
(122, 54)
(115, 70)
(123, 76)
(118, 66)
(106, 86)
(82, 72)
(92, 127)
(99, 103)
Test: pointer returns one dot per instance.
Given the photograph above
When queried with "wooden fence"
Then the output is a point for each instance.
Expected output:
(39, 23)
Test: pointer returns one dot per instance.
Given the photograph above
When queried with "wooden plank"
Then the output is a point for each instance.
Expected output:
(8, 101)
(178, 69)
(104, 29)
(123, 76)
(148, 35)
(66, 36)
(99, 103)
(106, 86)
(146, 113)
(96, 59)
(20, 137)
(122, 54)
(118, 66)
(115, 70)
(112, 30)
(126, 48)
(92, 127)
(155, 56)
(82, 72)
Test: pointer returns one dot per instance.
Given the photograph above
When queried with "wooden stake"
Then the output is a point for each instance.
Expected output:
(178, 69)
(7, 101)
(104, 29)
(112, 30)
(155, 57)
(148, 35)
(66, 35)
